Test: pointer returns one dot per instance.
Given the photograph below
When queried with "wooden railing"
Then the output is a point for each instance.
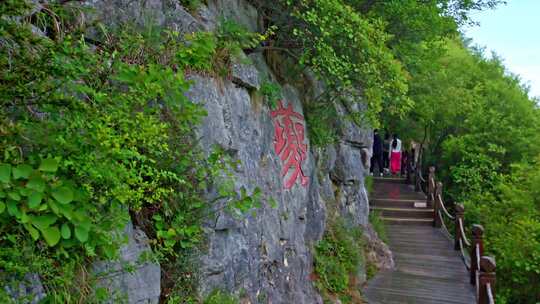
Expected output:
(481, 268)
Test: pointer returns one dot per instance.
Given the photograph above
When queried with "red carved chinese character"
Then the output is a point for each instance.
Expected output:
(289, 143)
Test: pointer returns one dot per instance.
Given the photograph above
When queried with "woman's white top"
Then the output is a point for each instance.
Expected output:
(397, 148)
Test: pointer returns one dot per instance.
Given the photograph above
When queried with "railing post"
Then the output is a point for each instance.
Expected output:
(460, 210)
(438, 192)
(477, 241)
(431, 187)
(486, 276)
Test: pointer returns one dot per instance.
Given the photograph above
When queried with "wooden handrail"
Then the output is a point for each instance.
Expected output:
(477, 250)
(491, 300)
(441, 205)
(431, 187)
(481, 268)
(438, 204)
(463, 234)
(463, 255)
(458, 235)
(486, 281)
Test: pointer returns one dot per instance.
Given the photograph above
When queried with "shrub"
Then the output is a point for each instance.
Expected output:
(337, 257)
(369, 184)
(378, 225)
(220, 297)
(93, 136)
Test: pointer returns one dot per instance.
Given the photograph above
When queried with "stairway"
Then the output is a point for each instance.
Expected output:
(398, 203)
(428, 269)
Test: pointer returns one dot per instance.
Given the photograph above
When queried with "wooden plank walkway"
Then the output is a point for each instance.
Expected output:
(428, 270)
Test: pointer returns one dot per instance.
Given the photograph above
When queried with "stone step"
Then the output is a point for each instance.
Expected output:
(416, 213)
(396, 202)
(392, 180)
(407, 221)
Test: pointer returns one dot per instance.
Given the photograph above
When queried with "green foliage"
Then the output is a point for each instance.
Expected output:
(371, 270)
(199, 53)
(510, 213)
(348, 51)
(220, 297)
(363, 51)
(272, 93)
(192, 5)
(91, 137)
(337, 258)
(378, 225)
(237, 37)
(321, 124)
(232, 39)
(368, 184)
(48, 207)
(482, 131)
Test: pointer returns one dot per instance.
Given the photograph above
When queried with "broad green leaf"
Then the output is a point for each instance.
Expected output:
(49, 165)
(82, 217)
(13, 209)
(85, 223)
(169, 242)
(35, 199)
(2, 194)
(64, 194)
(109, 251)
(171, 232)
(24, 218)
(2, 207)
(54, 206)
(66, 231)
(43, 221)
(22, 171)
(37, 183)
(66, 210)
(51, 235)
(14, 196)
(33, 232)
(5, 173)
(81, 233)
(25, 191)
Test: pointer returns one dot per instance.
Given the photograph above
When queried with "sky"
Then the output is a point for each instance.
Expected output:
(513, 32)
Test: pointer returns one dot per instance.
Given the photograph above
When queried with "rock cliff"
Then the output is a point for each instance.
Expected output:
(267, 255)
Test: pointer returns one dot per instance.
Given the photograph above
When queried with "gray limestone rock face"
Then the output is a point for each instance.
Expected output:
(29, 290)
(378, 252)
(240, 11)
(266, 254)
(139, 284)
(149, 13)
(171, 14)
(351, 133)
(348, 176)
(344, 166)
(245, 75)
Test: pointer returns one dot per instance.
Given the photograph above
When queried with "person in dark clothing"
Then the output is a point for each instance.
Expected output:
(386, 150)
(377, 157)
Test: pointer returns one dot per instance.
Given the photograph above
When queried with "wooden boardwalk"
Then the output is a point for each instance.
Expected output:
(428, 269)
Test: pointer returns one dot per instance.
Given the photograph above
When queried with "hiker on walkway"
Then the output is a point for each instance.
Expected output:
(395, 155)
(386, 150)
(377, 157)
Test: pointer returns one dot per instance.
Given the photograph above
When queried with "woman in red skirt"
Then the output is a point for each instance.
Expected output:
(395, 155)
